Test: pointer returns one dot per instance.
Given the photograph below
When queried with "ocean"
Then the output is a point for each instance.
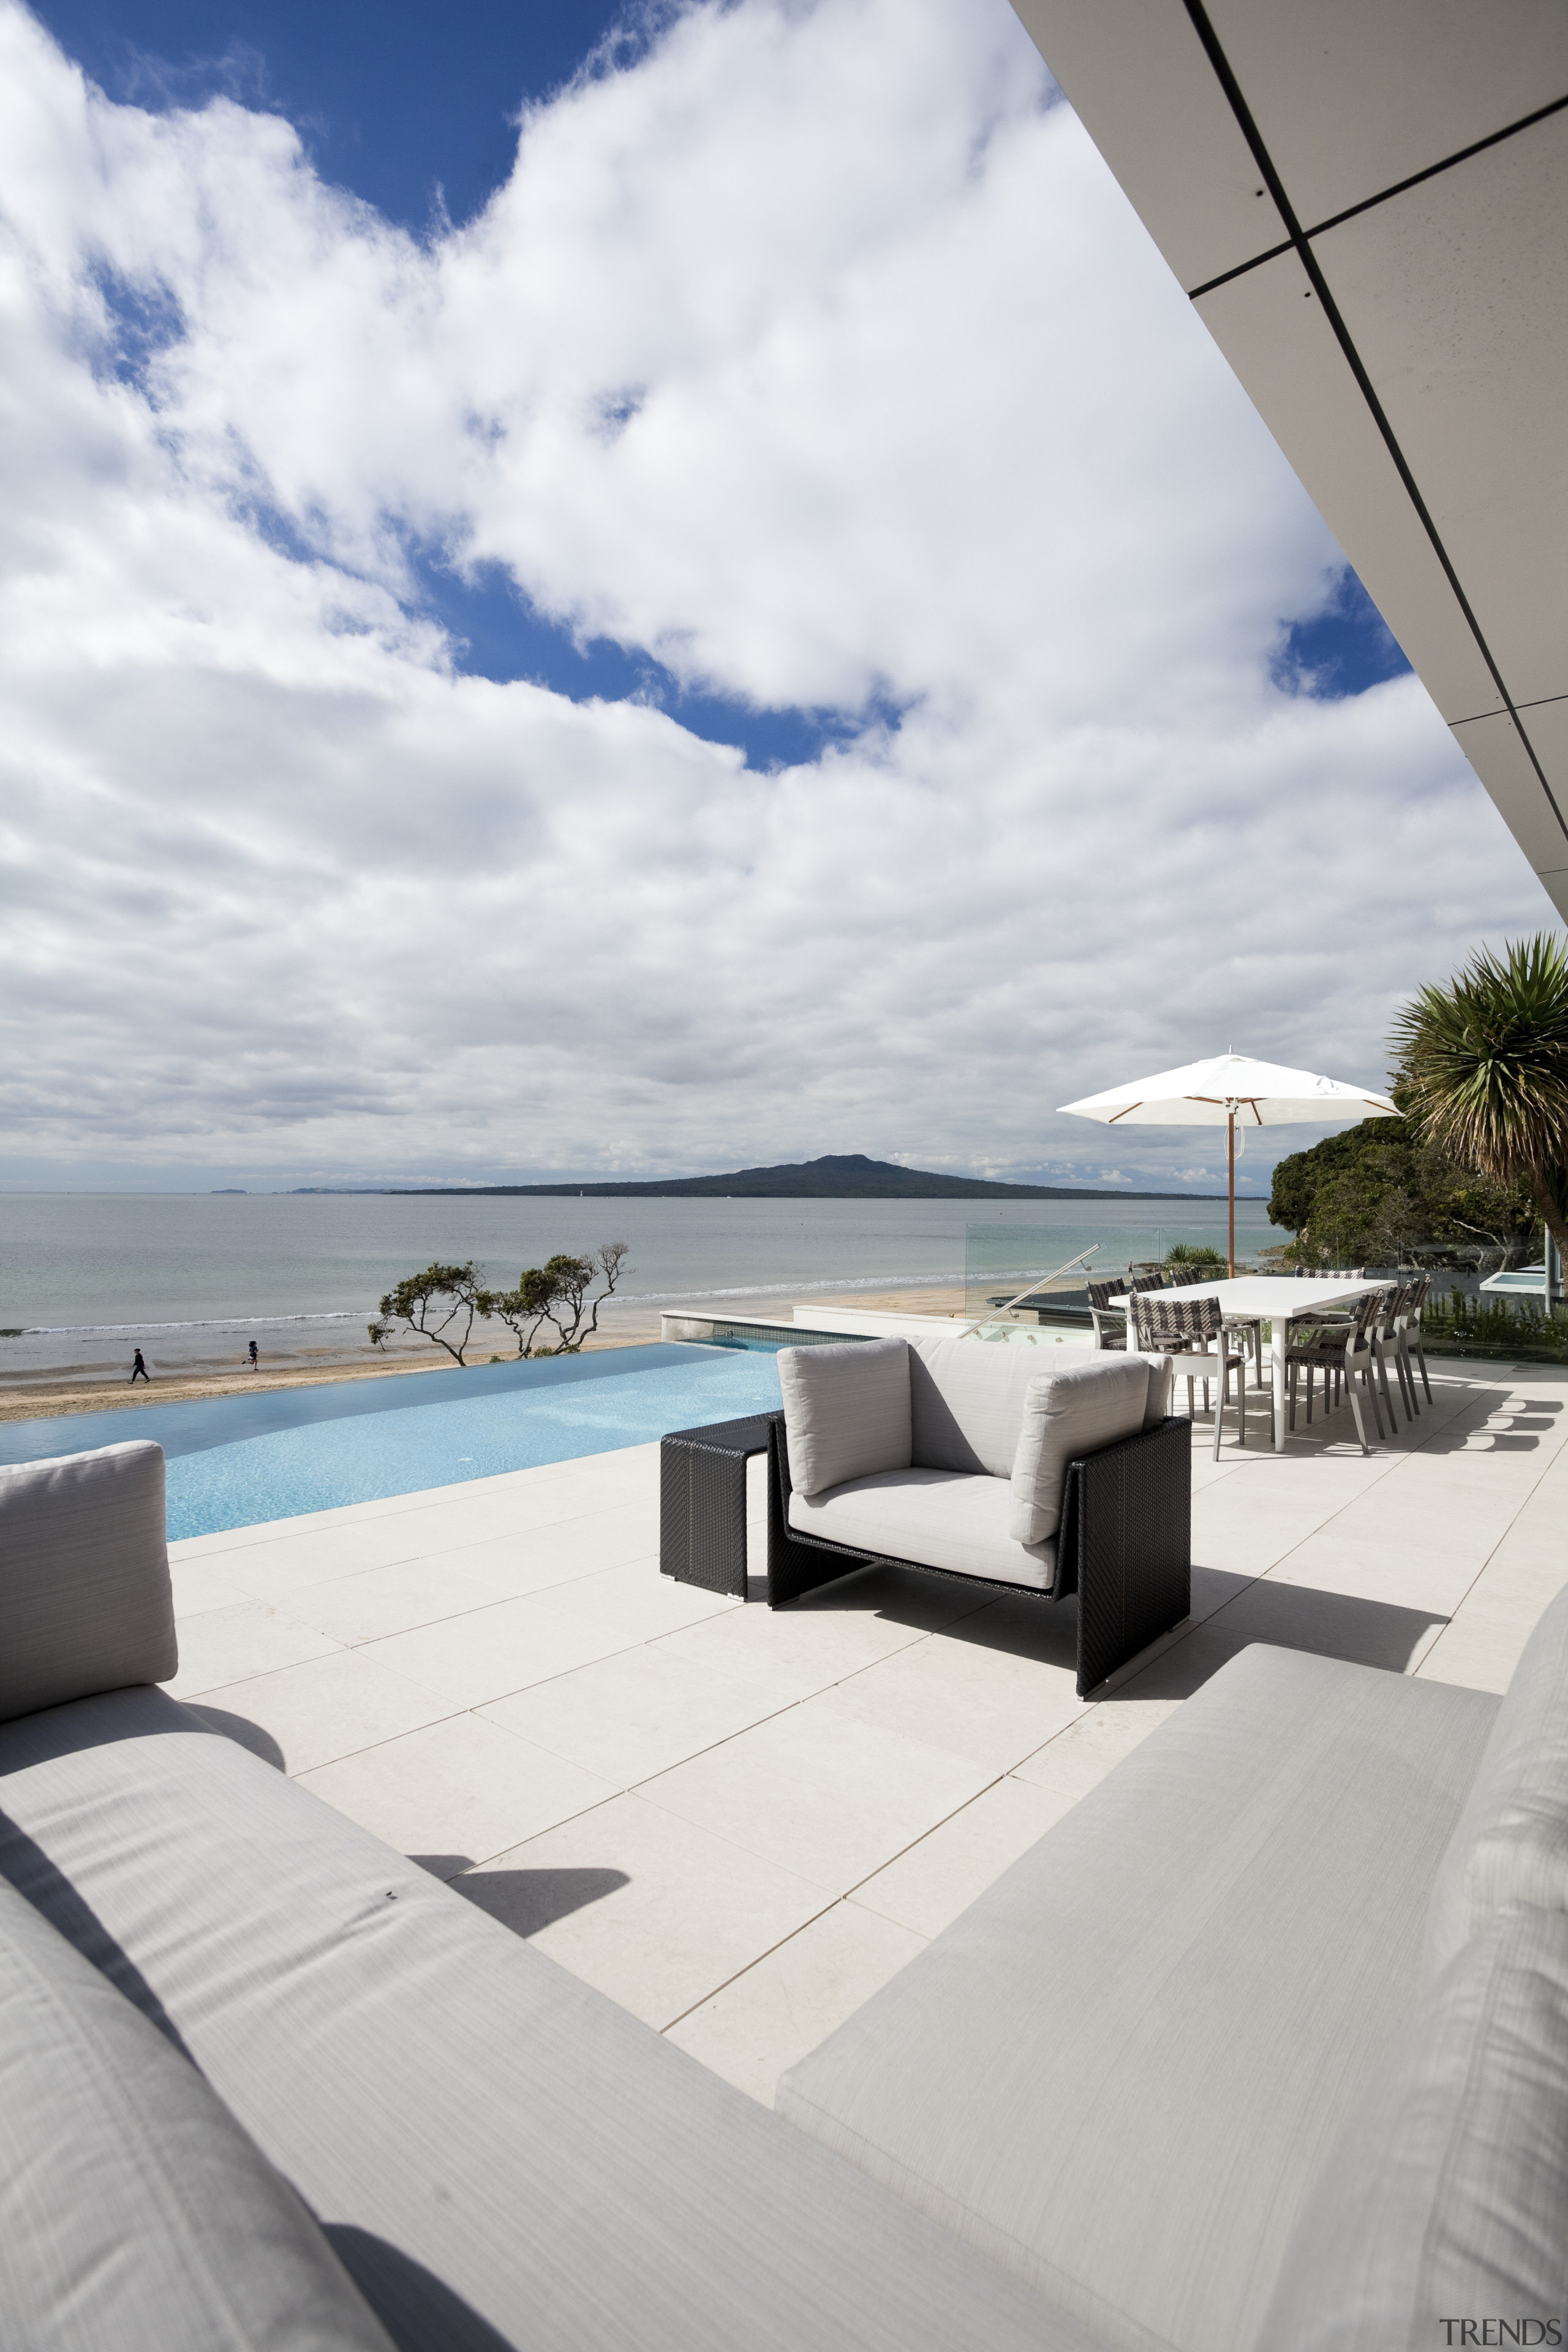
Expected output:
(84, 1275)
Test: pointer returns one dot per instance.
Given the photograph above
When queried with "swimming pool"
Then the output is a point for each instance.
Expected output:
(236, 1460)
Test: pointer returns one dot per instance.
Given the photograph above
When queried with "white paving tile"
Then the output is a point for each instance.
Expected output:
(637, 1714)
(820, 1793)
(457, 1791)
(224, 1645)
(312, 1714)
(487, 1653)
(200, 1585)
(656, 1911)
(988, 1703)
(792, 1998)
(929, 1883)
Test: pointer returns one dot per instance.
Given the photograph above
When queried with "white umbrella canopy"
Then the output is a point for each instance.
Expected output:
(1231, 1086)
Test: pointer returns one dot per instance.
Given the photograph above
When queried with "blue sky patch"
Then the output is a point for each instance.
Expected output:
(497, 633)
(1342, 650)
(395, 99)
(144, 320)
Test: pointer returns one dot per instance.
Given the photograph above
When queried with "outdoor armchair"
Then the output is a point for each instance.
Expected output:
(980, 1462)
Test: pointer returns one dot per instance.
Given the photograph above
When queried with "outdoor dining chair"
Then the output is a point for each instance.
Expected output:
(1390, 1343)
(1414, 1352)
(1345, 1351)
(1109, 1323)
(1193, 1333)
(1111, 1326)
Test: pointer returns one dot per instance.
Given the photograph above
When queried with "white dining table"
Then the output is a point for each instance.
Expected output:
(1280, 1301)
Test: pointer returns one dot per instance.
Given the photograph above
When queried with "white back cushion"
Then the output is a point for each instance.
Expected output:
(968, 1404)
(1067, 1414)
(1445, 2197)
(847, 1411)
(84, 1603)
(1510, 1843)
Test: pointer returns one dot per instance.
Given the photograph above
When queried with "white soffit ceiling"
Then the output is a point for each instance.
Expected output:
(1369, 208)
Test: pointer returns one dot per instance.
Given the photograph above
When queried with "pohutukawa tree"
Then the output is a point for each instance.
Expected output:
(522, 1310)
(1485, 1065)
(439, 1305)
(561, 1292)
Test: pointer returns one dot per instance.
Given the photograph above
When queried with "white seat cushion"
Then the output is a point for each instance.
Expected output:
(134, 2211)
(847, 1411)
(938, 1518)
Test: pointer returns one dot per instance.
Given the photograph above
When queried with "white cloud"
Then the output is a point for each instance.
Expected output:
(817, 354)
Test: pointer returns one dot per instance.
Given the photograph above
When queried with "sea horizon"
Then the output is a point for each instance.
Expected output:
(109, 1263)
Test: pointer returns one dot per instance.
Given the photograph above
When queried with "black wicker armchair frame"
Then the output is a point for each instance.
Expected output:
(1124, 1546)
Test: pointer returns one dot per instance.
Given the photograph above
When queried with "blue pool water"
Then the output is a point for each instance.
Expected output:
(234, 1461)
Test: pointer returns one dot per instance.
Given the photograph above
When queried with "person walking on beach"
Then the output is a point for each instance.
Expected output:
(138, 1370)
(254, 1355)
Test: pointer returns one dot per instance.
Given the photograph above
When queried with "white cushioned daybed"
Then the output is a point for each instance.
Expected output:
(1263, 2048)
(268, 2086)
(972, 1461)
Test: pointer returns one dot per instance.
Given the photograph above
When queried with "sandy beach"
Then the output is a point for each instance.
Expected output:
(211, 1362)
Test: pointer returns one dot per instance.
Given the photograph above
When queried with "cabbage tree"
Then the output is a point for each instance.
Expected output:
(1485, 1065)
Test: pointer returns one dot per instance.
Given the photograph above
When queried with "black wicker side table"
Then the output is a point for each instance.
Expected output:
(702, 1502)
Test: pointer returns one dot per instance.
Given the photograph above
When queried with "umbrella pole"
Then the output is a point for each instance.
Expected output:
(1231, 1137)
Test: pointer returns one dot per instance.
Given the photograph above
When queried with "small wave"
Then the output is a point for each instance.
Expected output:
(204, 1323)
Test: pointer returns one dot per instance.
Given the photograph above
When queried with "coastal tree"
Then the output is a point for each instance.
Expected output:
(1369, 1194)
(439, 1305)
(561, 1292)
(573, 1299)
(1485, 1065)
(525, 1308)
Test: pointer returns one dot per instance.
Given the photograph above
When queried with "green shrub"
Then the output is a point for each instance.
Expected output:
(1502, 1327)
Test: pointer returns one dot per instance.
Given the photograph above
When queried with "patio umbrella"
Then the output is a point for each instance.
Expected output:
(1231, 1088)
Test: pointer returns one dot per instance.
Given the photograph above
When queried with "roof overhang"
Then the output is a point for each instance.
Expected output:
(1368, 207)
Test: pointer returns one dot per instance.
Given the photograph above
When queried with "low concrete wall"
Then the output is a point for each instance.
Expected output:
(816, 1324)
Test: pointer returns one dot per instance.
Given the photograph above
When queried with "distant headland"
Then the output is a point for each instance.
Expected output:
(839, 1176)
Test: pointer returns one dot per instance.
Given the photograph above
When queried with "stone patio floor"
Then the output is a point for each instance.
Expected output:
(739, 1824)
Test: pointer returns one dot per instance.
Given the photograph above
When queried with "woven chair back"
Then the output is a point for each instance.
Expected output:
(1100, 1294)
(1165, 1323)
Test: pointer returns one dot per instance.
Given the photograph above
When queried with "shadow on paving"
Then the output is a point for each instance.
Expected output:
(528, 1900)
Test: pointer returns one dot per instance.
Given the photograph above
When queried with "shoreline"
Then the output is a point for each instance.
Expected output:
(52, 1394)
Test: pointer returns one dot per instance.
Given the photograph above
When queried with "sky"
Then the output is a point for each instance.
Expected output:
(601, 591)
